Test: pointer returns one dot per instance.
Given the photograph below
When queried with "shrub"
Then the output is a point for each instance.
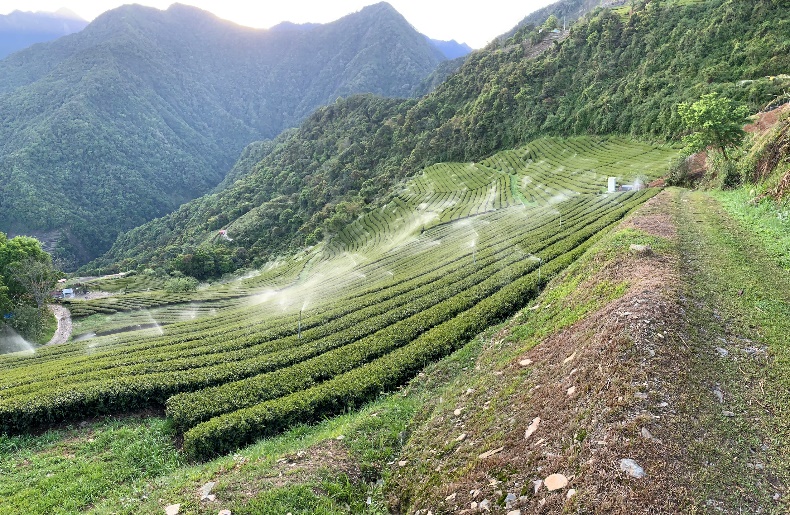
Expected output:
(181, 284)
(680, 172)
(722, 172)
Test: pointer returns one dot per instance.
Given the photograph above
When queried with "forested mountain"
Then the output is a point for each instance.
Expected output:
(619, 71)
(143, 110)
(566, 12)
(19, 29)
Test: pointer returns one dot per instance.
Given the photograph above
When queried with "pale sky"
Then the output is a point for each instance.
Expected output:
(474, 23)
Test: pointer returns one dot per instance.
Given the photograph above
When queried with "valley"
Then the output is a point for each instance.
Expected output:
(555, 280)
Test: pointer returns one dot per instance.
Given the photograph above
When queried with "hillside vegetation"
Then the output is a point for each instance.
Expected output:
(463, 246)
(451, 312)
(143, 110)
(617, 72)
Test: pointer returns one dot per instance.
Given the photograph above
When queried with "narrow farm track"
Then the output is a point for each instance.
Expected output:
(63, 332)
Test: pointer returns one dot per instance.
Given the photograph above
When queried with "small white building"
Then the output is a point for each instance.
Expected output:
(612, 184)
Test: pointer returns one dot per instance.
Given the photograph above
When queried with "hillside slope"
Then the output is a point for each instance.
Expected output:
(144, 109)
(566, 12)
(672, 358)
(621, 72)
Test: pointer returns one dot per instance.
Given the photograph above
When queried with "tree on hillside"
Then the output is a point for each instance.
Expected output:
(26, 278)
(16, 250)
(36, 276)
(551, 23)
(5, 301)
(715, 121)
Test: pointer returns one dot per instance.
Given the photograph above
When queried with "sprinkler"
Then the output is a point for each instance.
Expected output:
(540, 262)
(299, 327)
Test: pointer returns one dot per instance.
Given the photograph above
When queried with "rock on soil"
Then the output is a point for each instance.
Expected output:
(555, 482)
(205, 490)
(490, 453)
(641, 249)
(532, 428)
(632, 468)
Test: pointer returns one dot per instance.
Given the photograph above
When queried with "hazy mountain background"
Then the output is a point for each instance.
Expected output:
(451, 49)
(19, 29)
(618, 72)
(145, 109)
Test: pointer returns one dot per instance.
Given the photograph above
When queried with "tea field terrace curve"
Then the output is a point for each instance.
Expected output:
(461, 247)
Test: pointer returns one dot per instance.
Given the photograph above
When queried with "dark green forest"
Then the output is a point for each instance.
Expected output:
(620, 71)
(143, 110)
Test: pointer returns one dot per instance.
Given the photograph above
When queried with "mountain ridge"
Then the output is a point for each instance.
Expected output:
(170, 98)
(595, 81)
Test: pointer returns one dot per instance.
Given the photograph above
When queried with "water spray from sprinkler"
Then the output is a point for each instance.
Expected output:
(540, 262)
(299, 327)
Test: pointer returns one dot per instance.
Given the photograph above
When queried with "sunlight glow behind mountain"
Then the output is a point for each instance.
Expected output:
(474, 24)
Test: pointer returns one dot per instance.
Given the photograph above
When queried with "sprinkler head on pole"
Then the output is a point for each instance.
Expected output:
(299, 327)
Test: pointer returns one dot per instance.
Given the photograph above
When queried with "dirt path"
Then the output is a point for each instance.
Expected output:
(63, 333)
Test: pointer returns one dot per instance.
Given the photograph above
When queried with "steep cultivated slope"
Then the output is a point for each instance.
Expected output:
(461, 247)
(103, 130)
(617, 72)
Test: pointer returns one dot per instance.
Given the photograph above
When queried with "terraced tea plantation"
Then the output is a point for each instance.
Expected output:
(462, 247)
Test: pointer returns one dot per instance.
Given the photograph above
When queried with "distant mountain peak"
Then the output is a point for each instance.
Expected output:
(294, 27)
(184, 91)
(20, 29)
(451, 49)
(186, 8)
(381, 6)
(65, 12)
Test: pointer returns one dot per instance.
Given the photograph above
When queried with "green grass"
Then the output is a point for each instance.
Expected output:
(341, 497)
(68, 470)
(50, 325)
(739, 299)
(767, 220)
